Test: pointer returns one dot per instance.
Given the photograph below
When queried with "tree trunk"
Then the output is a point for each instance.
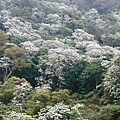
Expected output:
(7, 75)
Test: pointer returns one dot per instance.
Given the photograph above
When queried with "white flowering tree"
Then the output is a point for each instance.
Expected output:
(61, 112)
(57, 112)
(22, 93)
(17, 116)
(112, 80)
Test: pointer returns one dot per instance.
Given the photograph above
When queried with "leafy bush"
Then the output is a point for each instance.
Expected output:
(44, 98)
(109, 112)
(7, 96)
(1, 117)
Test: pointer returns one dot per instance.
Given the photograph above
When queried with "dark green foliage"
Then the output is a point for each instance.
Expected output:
(91, 76)
(44, 98)
(64, 31)
(117, 61)
(114, 42)
(47, 33)
(109, 56)
(97, 32)
(29, 74)
(16, 40)
(72, 81)
(33, 107)
(35, 58)
(1, 25)
(109, 112)
(83, 77)
(75, 24)
(103, 6)
(1, 117)
(2, 49)
(22, 8)
(55, 83)
(6, 96)
(42, 51)
(6, 92)
(71, 43)
(3, 38)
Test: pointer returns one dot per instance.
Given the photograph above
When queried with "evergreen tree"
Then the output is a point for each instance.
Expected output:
(91, 76)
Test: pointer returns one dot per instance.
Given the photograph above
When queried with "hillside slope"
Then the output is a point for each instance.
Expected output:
(65, 44)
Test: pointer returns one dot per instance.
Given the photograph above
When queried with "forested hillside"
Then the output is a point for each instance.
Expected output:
(59, 60)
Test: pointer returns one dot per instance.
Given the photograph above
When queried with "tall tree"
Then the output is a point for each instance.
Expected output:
(91, 76)
(17, 56)
(72, 81)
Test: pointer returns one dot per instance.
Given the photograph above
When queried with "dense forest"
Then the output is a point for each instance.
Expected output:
(59, 60)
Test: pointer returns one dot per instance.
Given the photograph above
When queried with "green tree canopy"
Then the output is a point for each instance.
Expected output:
(3, 38)
(72, 81)
(91, 76)
(17, 56)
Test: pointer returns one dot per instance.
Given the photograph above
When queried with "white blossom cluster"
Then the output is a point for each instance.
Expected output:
(54, 27)
(59, 56)
(58, 6)
(117, 16)
(57, 59)
(5, 62)
(115, 38)
(94, 18)
(40, 80)
(105, 64)
(29, 47)
(91, 47)
(111, 50)
(57, 112)
(50, 44)
(60, 112)
(21, 29)
(112, 81)
(77, 106)
(44, 87)
(53, 19)
(12, 115)
(75, 111)
(5, 15)
(81, 35)
(21, 91)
